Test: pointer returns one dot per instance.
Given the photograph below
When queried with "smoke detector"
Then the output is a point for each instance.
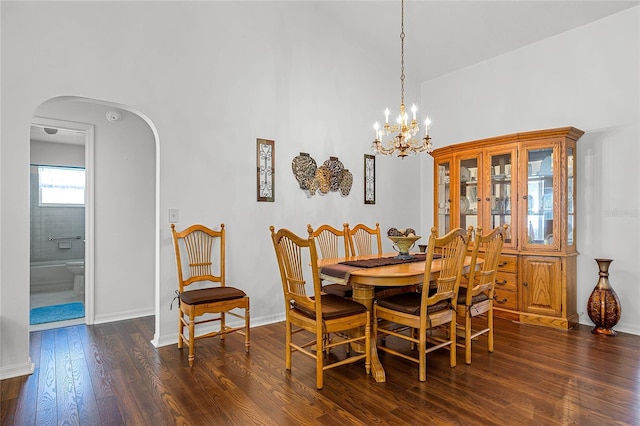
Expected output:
(113, 116)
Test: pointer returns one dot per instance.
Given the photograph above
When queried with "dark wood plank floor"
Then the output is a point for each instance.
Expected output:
(110, 374)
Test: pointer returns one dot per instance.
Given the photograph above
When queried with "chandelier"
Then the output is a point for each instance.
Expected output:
(403, 136)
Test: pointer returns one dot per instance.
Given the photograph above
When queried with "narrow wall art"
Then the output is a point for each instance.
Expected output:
(369, 179)
(266, 170)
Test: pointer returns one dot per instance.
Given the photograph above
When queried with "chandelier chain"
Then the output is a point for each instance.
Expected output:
(403, 139)
(402, 52)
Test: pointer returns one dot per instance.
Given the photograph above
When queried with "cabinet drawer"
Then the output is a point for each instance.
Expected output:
(506, 299)
(508, 263)
(505, 281)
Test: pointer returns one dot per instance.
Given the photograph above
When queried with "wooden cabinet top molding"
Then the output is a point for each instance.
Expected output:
(565, 132)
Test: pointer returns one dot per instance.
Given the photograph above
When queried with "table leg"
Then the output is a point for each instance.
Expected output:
(364, 294)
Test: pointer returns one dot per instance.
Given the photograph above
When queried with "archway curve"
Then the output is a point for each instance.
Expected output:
(156, 137)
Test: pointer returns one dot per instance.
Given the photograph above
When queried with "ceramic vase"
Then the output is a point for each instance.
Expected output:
(603, 305)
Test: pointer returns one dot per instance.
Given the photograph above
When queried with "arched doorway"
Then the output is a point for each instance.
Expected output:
(121, 215)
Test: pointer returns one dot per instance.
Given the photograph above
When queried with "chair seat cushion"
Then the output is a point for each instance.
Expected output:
(342, 290)
(462, 297)
(333, 307)
(209, 295)
(409, 303)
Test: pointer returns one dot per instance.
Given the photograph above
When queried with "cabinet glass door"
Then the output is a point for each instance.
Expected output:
(501, 194)
(541, 199)
(469, 192)
(443, 197)
(571, 198)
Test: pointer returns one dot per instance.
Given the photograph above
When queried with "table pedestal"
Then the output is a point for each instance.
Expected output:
(364, 294)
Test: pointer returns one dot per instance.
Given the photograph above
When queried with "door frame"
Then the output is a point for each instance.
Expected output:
(89, 217)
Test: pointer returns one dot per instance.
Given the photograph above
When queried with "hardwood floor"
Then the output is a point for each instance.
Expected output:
(111, 374)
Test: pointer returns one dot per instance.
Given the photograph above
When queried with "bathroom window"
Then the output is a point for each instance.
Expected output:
(61, 186)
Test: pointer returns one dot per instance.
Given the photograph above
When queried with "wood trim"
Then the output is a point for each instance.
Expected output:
(567, 132)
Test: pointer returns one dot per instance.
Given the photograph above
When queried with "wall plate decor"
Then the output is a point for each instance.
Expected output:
(304, 169)
(266, 170)
(331, 176)
(336, 167)
(346, 180)
(369, 179)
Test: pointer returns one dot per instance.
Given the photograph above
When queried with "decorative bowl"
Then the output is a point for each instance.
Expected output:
(403, 244)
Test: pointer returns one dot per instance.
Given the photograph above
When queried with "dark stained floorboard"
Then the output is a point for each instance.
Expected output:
(111, 374)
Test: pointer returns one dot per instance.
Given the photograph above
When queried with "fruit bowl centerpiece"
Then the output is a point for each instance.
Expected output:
(403, 241)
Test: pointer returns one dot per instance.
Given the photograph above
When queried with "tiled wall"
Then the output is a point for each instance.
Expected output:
(54, 221)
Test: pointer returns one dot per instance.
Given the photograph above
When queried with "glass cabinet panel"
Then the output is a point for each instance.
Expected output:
(443, 197)
(540, 197)
(469, 194)
(501, 193)
(571, 197)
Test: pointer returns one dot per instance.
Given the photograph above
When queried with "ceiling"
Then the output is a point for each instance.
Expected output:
(444, 36)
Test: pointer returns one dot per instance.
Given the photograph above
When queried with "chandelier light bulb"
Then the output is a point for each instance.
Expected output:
(386, 115)
(414, 109)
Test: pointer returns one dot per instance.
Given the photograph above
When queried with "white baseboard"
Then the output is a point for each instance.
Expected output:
(17, 370)
(124, 315)
(172, 338)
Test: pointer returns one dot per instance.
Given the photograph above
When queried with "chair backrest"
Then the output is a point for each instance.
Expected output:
(328, 240)
(491, 246)
(290, 250)
(452, 249)
(360, 239)
(197, 242)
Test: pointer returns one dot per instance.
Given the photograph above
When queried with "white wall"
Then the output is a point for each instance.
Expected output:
(212, 77)
(587, 78)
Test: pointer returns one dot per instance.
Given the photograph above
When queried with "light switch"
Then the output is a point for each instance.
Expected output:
(173, 215)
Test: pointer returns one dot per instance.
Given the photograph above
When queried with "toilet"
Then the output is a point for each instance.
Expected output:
(77, 269)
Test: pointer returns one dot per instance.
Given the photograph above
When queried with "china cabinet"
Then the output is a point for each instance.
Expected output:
(525, 180)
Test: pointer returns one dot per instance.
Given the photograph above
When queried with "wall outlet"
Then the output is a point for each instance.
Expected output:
(173, 216)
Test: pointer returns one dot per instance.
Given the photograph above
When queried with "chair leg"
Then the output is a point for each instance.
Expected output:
(422, 355)
(325, 343)
(287, 347)
(319, 359)
(247, 328)
(180, 329)
(367, 344)
(192, 341)
(452, 338)
(490, 326)
(413, 332)
(222, 325)
(467, 337)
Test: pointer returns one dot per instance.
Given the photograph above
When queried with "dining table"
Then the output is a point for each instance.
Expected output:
(367, 272)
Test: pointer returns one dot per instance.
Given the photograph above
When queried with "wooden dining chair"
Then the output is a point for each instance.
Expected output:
(316, 313)
(417, 313)
(203, 266)
(476, 298)
(361, 239)
(329, 241)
